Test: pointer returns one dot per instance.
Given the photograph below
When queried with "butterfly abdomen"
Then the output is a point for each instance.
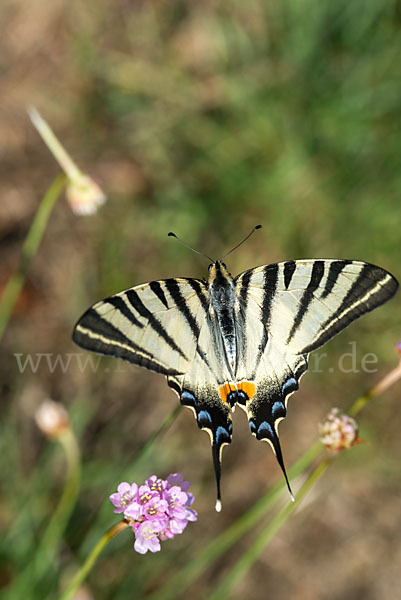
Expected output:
(222, 300)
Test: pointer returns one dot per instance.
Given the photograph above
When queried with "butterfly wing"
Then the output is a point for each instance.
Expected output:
(166, 326)
(150, 325)
(289, 309)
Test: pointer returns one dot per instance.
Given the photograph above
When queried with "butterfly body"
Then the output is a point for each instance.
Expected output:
(242, 340)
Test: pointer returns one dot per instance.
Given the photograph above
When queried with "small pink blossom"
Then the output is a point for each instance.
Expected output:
(146, 537)
(176, 479)
(157, 510)
(125, 494)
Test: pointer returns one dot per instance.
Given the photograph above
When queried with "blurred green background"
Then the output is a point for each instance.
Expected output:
(204, 118)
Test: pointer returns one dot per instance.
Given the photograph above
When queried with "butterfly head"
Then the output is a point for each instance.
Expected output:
(218, 272)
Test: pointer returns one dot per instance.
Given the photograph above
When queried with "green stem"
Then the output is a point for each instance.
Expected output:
(388, 380)
(45, 552)
(29, 249)
(54, 531)
(90, 561)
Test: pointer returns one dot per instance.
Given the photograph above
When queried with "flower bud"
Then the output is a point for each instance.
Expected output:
(84, 195)
(338, 431)
(52, 418)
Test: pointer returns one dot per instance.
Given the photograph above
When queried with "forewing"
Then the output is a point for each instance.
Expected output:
(153, 325)
(305, 303)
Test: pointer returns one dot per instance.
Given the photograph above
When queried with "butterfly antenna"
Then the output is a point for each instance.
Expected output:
(242, 241)
(171, 234)
(217, 470)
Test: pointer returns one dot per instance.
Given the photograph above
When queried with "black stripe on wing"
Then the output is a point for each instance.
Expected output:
(335, 270)
(270, 285)
(118, 303)
(199, 288)
(243, 291)
(307, 296)
(173, 288)
(154, 323)
(372, 287)
(95, 333)
(289, 270)
(158, 291)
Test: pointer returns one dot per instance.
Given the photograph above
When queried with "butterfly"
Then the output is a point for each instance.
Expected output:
(231, 341)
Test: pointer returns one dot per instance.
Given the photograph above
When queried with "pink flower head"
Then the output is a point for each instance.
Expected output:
(125, 494)
(157, 510)
(338, 431)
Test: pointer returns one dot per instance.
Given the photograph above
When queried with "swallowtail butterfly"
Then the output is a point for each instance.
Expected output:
(241, 340)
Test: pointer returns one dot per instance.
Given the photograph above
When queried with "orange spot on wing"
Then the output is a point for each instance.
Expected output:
(225, 390)
(248, 388)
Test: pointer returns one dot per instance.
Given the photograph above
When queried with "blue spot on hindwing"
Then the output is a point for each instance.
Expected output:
(265, 428)
(222, 435)
(188, 399)
(278, 410)
(289, 386)
(204, 419)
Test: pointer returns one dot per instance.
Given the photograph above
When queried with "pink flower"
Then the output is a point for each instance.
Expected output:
(125, 494)
(157, 510)
(155, 484)
(146, 537)
(176, 479)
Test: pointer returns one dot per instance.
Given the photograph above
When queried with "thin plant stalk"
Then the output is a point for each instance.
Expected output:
(56, 148)
(29, 249)
(57, 524)
(91, 559)
(45, 553)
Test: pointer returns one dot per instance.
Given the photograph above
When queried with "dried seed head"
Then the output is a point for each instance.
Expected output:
(338, 431)
(52, 418)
